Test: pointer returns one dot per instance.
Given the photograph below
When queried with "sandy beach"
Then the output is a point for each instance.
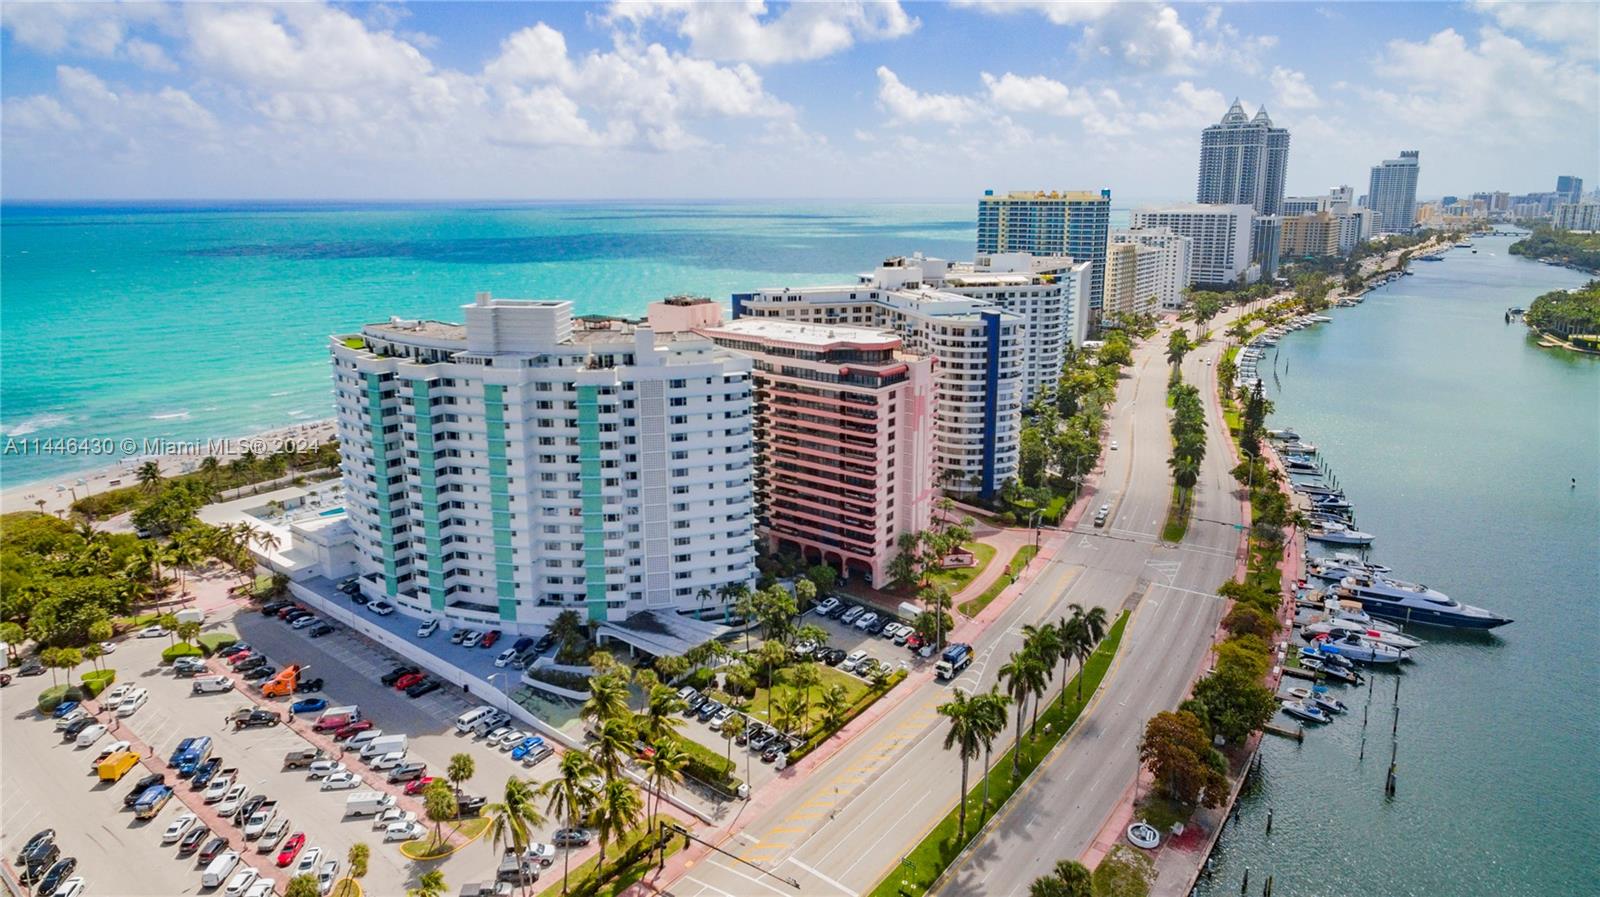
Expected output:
(174, 456)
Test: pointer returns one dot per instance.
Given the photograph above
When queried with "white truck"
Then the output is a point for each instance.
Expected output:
(219, 870)
(367, 803)
(388, 744)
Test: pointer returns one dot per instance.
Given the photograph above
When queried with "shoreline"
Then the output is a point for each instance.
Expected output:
(175, 456)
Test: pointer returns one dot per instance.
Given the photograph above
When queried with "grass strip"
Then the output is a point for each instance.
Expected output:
(1177, 522)
(1019, 561)
(926, 861)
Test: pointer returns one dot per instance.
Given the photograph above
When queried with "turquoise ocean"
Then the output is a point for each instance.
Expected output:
(211, 320)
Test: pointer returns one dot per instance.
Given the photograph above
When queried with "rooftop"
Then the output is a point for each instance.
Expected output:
(1068, 195)
(401, 327)
(816, 336)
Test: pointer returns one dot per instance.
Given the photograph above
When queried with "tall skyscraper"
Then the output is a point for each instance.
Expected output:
(1219, 234)
(1074, 223)
(1244, 161)
(1570, 187)
(1392, 193)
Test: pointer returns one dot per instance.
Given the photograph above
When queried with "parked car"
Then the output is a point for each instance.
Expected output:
(571, 837)
(852, 661)
(428, 627)
(827, 606)
(394, 675)
(321, 769)
(538, 755)
(309, 705)
(153, 631)
(271, 608)
(403, 831)
(458, 636)
(407, 772)
(506, 657)
(290, 848)
(185, 667)
(178, 827)
(408, 680)
(320, 630)
(852, 614)
(721, 719)
(141, 786)
(866, 621)
(241, 882)
(308, 861)
(469, 805)
(65, 709)
(471, 639)
(39, 839)
(212, 849)
(360, 725)
(522, 746)
(417, 786)
(305, 622)
(489, 638)
(350, 586)
(191, 841)
(326, 874)
(422, 688)
(58, 872)
(341, 781)
(381, 608)
(204, 772)
(31, 667)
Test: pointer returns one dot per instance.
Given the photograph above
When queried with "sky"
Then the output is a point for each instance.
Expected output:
(743, 99)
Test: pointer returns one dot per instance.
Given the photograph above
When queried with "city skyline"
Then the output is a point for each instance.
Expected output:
(751, 101)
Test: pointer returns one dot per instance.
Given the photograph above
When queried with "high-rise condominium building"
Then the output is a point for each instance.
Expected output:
(844, 440)
(1266, 243)
(501, 471)
(1355, 228)
(1220, 236)
(979, 347)
(1049, 223)
(1392, 193)
(1316, 234)
(1147, 268)
(1569, 187)
(1579, 216)
(1244, 160)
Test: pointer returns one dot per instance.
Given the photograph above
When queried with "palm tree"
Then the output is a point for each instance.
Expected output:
(92, 652)
(615, 813)
(306, 886)
(1044, 641)
(1185, 473)
(210, 466)
(835, 701)
(460, 770)
(570, 797)
(990, 718)
(13, 635)
(439, 805)
(1017, 675)
(513, 819)
(268, 542)
(785, 707)
(608, 699)
(965, 735)
(660, 718)
(1094, 629)
(664, 769)
(429, 884)
(805, 677)
(612, 744)
(149, 476)
(357, 857)
(169, 622)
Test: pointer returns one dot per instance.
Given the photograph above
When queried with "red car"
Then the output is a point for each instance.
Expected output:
(489, 638)
(408, 680)
(331, 723)
(239, 657)
(360, 725)
(416, 786)
(290, 848)
(914, 641)
(290, 609)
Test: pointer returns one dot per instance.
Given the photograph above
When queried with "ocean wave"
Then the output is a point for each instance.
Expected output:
(171, 415)
(35, 424)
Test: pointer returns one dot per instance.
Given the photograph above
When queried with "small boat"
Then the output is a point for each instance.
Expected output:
(1286, 435)
(1320, 697)
(1354, 647)
(1330, 503)
(1343, 674)
(1294, 464)
(1317, 489)
(1337, 630)
(1339, 534)
(1299, 448)
(1300, 694)
(1303, 711)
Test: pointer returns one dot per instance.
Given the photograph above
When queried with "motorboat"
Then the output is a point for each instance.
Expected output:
(1339, 534)
(1350, 562)
(1317, 489)
(1330, 503)
(1342, 674)
(1304, 711)
(1339, 630)
(1395, 599)
(1297, 447)
(1362, 650)
(1327, 703)
(1286, 435)
(1294, 464)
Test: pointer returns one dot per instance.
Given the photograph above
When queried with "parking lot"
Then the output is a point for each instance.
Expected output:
(116, 852)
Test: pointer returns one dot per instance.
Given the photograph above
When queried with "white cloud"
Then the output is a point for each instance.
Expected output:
(88, 117)
(1037, 93)
(1291, 90)
(907, 105)
(743, 31)
(96, 30)
(1575, 24)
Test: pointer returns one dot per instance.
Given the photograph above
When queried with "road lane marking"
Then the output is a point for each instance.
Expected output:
(817, 874)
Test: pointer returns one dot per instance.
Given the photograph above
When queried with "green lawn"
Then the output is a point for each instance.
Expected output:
(940, 846)
(955, 580)
(581, 876)
(758, 706)
(1014, 569)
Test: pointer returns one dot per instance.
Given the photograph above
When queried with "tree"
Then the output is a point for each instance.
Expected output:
(1069, 878)
(660, 716)
(460, 770)
(13, 635)
(149, 476)
(357, 858)
(664, 770)
(608, 698)
(569, 632)
(188, 631)
(835, 701)
(1177, 347)
(1032, 457)
(989, 716)
(906, 567)
(439, 805)
(805, 593)
(513, 818)
(825, 578)
(92, 652)
(966, 736)
(614, 814)
(1019, 674)
(429, 884)
(570, 798)
(786, 707)
(1178, 752)
(612, 744)
(805, 677)
(1247, 620)
(1044, 641)
(306, 886)
(1232, 704)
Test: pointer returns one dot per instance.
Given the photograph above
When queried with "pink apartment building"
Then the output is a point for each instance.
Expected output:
(843, 432)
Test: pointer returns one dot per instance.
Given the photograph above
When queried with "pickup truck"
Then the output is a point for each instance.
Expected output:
(260, 819)
(303, 757)
(256, 719)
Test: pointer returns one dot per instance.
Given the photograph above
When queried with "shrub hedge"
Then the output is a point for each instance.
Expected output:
(212, 642)
(52, 697)
(97, 681)
(708, 765)
(861, 704)
(181, 649)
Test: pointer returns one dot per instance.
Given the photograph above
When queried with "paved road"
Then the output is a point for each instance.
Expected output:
(848, 825)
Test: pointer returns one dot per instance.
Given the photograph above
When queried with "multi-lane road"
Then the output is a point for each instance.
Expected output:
(849, 823)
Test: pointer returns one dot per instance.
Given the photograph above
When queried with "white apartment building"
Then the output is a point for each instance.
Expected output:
(1356, 226)
(979, 350)
(1579, 216)
(1162, 268)
(1220, 236)
(500, 471)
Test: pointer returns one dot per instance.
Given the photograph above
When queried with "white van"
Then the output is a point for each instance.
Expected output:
(466, 721)
(219, 870)
(367, 803)
(388, 744)
(362, 739)
(131, 704)
(206, 685)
